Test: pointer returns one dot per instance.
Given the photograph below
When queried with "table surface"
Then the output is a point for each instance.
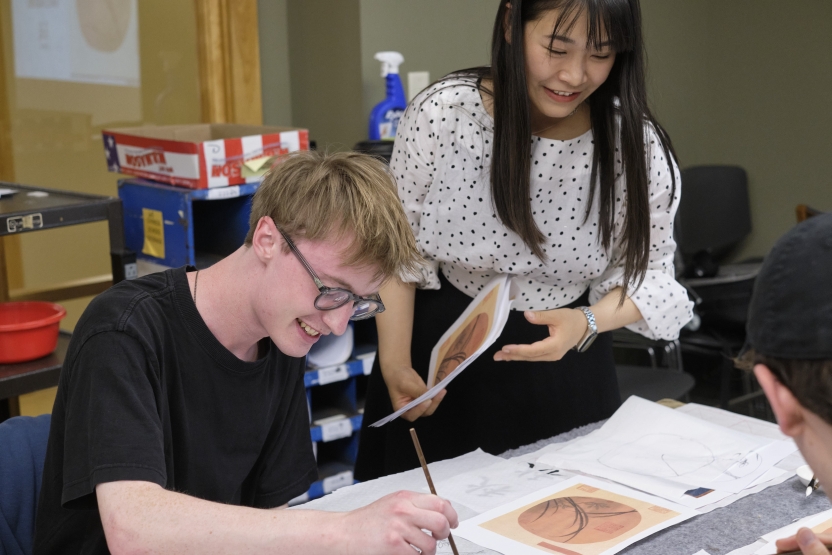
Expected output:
(25, 377)
(717, 532)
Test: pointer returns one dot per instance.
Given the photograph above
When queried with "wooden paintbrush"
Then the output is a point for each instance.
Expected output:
(424, 464)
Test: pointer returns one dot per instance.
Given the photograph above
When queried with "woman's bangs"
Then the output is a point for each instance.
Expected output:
(610, 22)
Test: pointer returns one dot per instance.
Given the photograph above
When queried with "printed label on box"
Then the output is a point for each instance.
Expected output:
(154, 233)
(333, 374)
(336, 430)
(338, 481)
(224, 192)
(154, 161)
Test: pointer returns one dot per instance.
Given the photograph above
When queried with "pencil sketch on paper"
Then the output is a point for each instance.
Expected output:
(486, 488)
(466, 339)
(672, 456)
(464, 547)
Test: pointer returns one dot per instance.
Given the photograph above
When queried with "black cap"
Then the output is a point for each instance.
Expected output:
(790, 315)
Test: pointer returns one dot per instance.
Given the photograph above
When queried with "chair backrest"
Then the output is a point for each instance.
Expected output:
(22, 453)
(714, 212)
(804, 212)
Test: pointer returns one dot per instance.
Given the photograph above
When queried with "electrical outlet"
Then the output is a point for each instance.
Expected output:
(416, 82)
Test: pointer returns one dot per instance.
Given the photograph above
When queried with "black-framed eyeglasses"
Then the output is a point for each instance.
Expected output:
(331, 298)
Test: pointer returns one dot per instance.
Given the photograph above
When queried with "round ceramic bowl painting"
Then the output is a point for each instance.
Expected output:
(578, 520)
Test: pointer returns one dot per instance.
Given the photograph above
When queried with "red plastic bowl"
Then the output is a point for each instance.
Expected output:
(28, 330)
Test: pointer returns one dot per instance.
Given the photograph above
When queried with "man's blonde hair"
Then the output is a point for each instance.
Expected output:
(327, 196)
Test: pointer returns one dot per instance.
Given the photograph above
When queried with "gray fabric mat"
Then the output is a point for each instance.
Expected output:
(722, 530)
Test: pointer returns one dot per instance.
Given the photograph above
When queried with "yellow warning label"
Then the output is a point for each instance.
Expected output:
(154, 233)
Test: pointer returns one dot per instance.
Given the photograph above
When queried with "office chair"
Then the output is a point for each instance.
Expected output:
(22, 454)
(804, 212)
(714, 216)
(664, 376)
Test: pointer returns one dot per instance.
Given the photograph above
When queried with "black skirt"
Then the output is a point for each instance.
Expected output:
(491, 405)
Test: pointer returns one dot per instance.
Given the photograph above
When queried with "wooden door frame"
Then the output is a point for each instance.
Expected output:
(229, 82)
(229, 61)
(11, 263)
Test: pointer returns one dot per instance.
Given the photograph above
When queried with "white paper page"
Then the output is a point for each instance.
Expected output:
(487, 488)
(770, 547)
(503, 306)
(658, 450)
(752, 467)
(601, 512)
(738, 422)
(748, 549)
(701, 552)
(463, 547)
(364, 493)
(747, 424)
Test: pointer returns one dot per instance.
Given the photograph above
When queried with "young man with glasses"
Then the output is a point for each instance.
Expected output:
(181, 411)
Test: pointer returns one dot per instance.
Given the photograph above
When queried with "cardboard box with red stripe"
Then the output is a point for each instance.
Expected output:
(200, 156)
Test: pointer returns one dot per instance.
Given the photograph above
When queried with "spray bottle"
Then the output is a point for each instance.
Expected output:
(385, 115)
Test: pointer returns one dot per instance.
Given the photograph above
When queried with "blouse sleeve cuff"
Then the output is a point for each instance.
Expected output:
(663, 302)
(426, 277)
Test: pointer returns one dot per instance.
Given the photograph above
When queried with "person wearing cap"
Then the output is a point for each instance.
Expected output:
(181, 413)
(789, 348)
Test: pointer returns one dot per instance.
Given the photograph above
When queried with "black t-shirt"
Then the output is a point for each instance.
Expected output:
(148, 393)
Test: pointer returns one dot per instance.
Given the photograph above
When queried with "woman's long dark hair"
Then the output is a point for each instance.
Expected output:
(621, 98)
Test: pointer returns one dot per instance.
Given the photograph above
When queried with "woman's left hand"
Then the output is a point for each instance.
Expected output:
(566, 327)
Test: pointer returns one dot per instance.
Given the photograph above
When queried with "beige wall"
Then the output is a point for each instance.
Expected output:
(325, 69)
(273, 30)
(317, 56)
(734, 81)
(748, 82)
(438, 36)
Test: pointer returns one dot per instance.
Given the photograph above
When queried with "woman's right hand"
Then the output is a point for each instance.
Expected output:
(404, 385)
(395, 331)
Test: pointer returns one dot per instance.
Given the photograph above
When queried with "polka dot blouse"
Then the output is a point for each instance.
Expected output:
(441, 162)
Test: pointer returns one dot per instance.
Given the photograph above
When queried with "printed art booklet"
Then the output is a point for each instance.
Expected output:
(471, 334)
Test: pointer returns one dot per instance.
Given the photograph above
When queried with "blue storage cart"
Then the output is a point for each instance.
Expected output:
(174, 226)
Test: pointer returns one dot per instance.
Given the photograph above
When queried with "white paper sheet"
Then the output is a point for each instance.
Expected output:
(503, 305)
(752, 467)
(738, 422)
(486, 488)
(364, 493)
(602, 510)
(748, 549)
(664, 452)
(463, 546)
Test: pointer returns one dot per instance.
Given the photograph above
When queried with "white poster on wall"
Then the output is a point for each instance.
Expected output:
(81, 41)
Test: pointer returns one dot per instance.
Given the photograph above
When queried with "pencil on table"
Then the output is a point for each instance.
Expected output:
(424, 464)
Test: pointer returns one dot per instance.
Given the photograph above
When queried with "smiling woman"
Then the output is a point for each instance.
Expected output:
(546, 165)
